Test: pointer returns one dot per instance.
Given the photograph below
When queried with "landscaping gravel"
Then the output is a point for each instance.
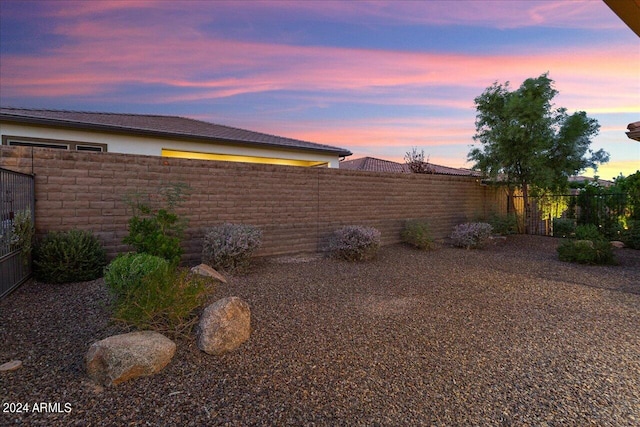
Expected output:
(507, 335)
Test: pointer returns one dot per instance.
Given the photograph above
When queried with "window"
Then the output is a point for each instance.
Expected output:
(17, 141)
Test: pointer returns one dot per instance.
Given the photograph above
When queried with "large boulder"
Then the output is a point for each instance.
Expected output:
(224, 326)
(121, 357)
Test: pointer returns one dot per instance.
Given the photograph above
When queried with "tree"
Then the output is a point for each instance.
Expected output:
(527, 142)
(416, 161)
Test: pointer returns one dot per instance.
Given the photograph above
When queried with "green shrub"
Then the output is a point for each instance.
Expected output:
(166, 301)
(631, 236)
(471, 235)
(127, 271)
(155, 228)
(355, 243)
(503, 224)
(586, 252)
(71, 256)
(417, 233)
(563, 227)
(588, 232)
(21, 234)
(229, 247)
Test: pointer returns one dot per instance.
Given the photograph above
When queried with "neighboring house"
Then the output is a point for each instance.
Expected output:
(156, 135)
(634, 131)
(372, 164)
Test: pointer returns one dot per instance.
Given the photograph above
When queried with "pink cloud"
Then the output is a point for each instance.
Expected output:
(214, 68)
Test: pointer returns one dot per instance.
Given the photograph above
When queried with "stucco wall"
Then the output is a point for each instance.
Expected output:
(128, 144)
(297, 208)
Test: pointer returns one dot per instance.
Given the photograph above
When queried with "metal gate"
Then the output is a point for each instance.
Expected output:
(17, 208)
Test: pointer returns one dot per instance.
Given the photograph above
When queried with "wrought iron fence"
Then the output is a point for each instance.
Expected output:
(548, 214)
(17, 202)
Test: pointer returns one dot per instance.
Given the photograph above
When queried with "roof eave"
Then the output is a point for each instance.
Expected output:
(163, 134)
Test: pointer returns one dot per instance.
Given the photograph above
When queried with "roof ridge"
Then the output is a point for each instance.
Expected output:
(104, 113)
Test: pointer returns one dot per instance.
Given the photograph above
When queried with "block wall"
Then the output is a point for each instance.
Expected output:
(297, 208)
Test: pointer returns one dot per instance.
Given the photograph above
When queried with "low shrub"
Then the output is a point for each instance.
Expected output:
(22, 232)
(471, 234)
(503, 224)
(595, 252)
(417, 233)
(588, 232)
(229, 247)
(127, 271)
(563, 227)
(355, 243)
(69, 256)
(631, 236)
(165, 300)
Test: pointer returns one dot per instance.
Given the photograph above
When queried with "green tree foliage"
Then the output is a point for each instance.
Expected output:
(528, 142)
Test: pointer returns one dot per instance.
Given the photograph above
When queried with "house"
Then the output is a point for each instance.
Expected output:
(372, 164)
(634, 131)
(158, 135)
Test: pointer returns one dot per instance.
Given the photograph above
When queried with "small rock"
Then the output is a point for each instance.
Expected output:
(617, 244)
(11, 366)
(122, 357)
(205, 270)
(224, 326)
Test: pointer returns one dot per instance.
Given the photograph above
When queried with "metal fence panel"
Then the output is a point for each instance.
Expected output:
(602, 210)
(17, 196)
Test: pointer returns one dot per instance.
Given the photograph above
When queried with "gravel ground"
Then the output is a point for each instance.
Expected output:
(508, 335)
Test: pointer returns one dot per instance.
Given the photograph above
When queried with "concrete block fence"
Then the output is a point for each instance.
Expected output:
(297, 208)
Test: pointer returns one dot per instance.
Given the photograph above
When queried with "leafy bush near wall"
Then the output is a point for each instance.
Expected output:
(355, 243)
(563, 227)
(471, 235)
(229, 247)
(417, 233)
(127, 271)
(21, 233)
(155, 228)
(503, 224)
(69, 256)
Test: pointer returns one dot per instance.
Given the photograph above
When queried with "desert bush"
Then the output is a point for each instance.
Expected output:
(229, 247)
(588, 232)
(155, 228)
(166, 300)
(417, 233)
(21, 234)
(355, 243)
(69, 256)
(471, 234)
(631, 236)
(503, 224)
(586, 252)
(127, 271)
(563, 227)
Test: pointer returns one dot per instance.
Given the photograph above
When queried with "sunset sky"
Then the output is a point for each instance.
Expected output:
(374, 77)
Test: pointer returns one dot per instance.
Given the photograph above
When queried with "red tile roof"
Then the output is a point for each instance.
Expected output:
(162, 126)
(372, 164)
